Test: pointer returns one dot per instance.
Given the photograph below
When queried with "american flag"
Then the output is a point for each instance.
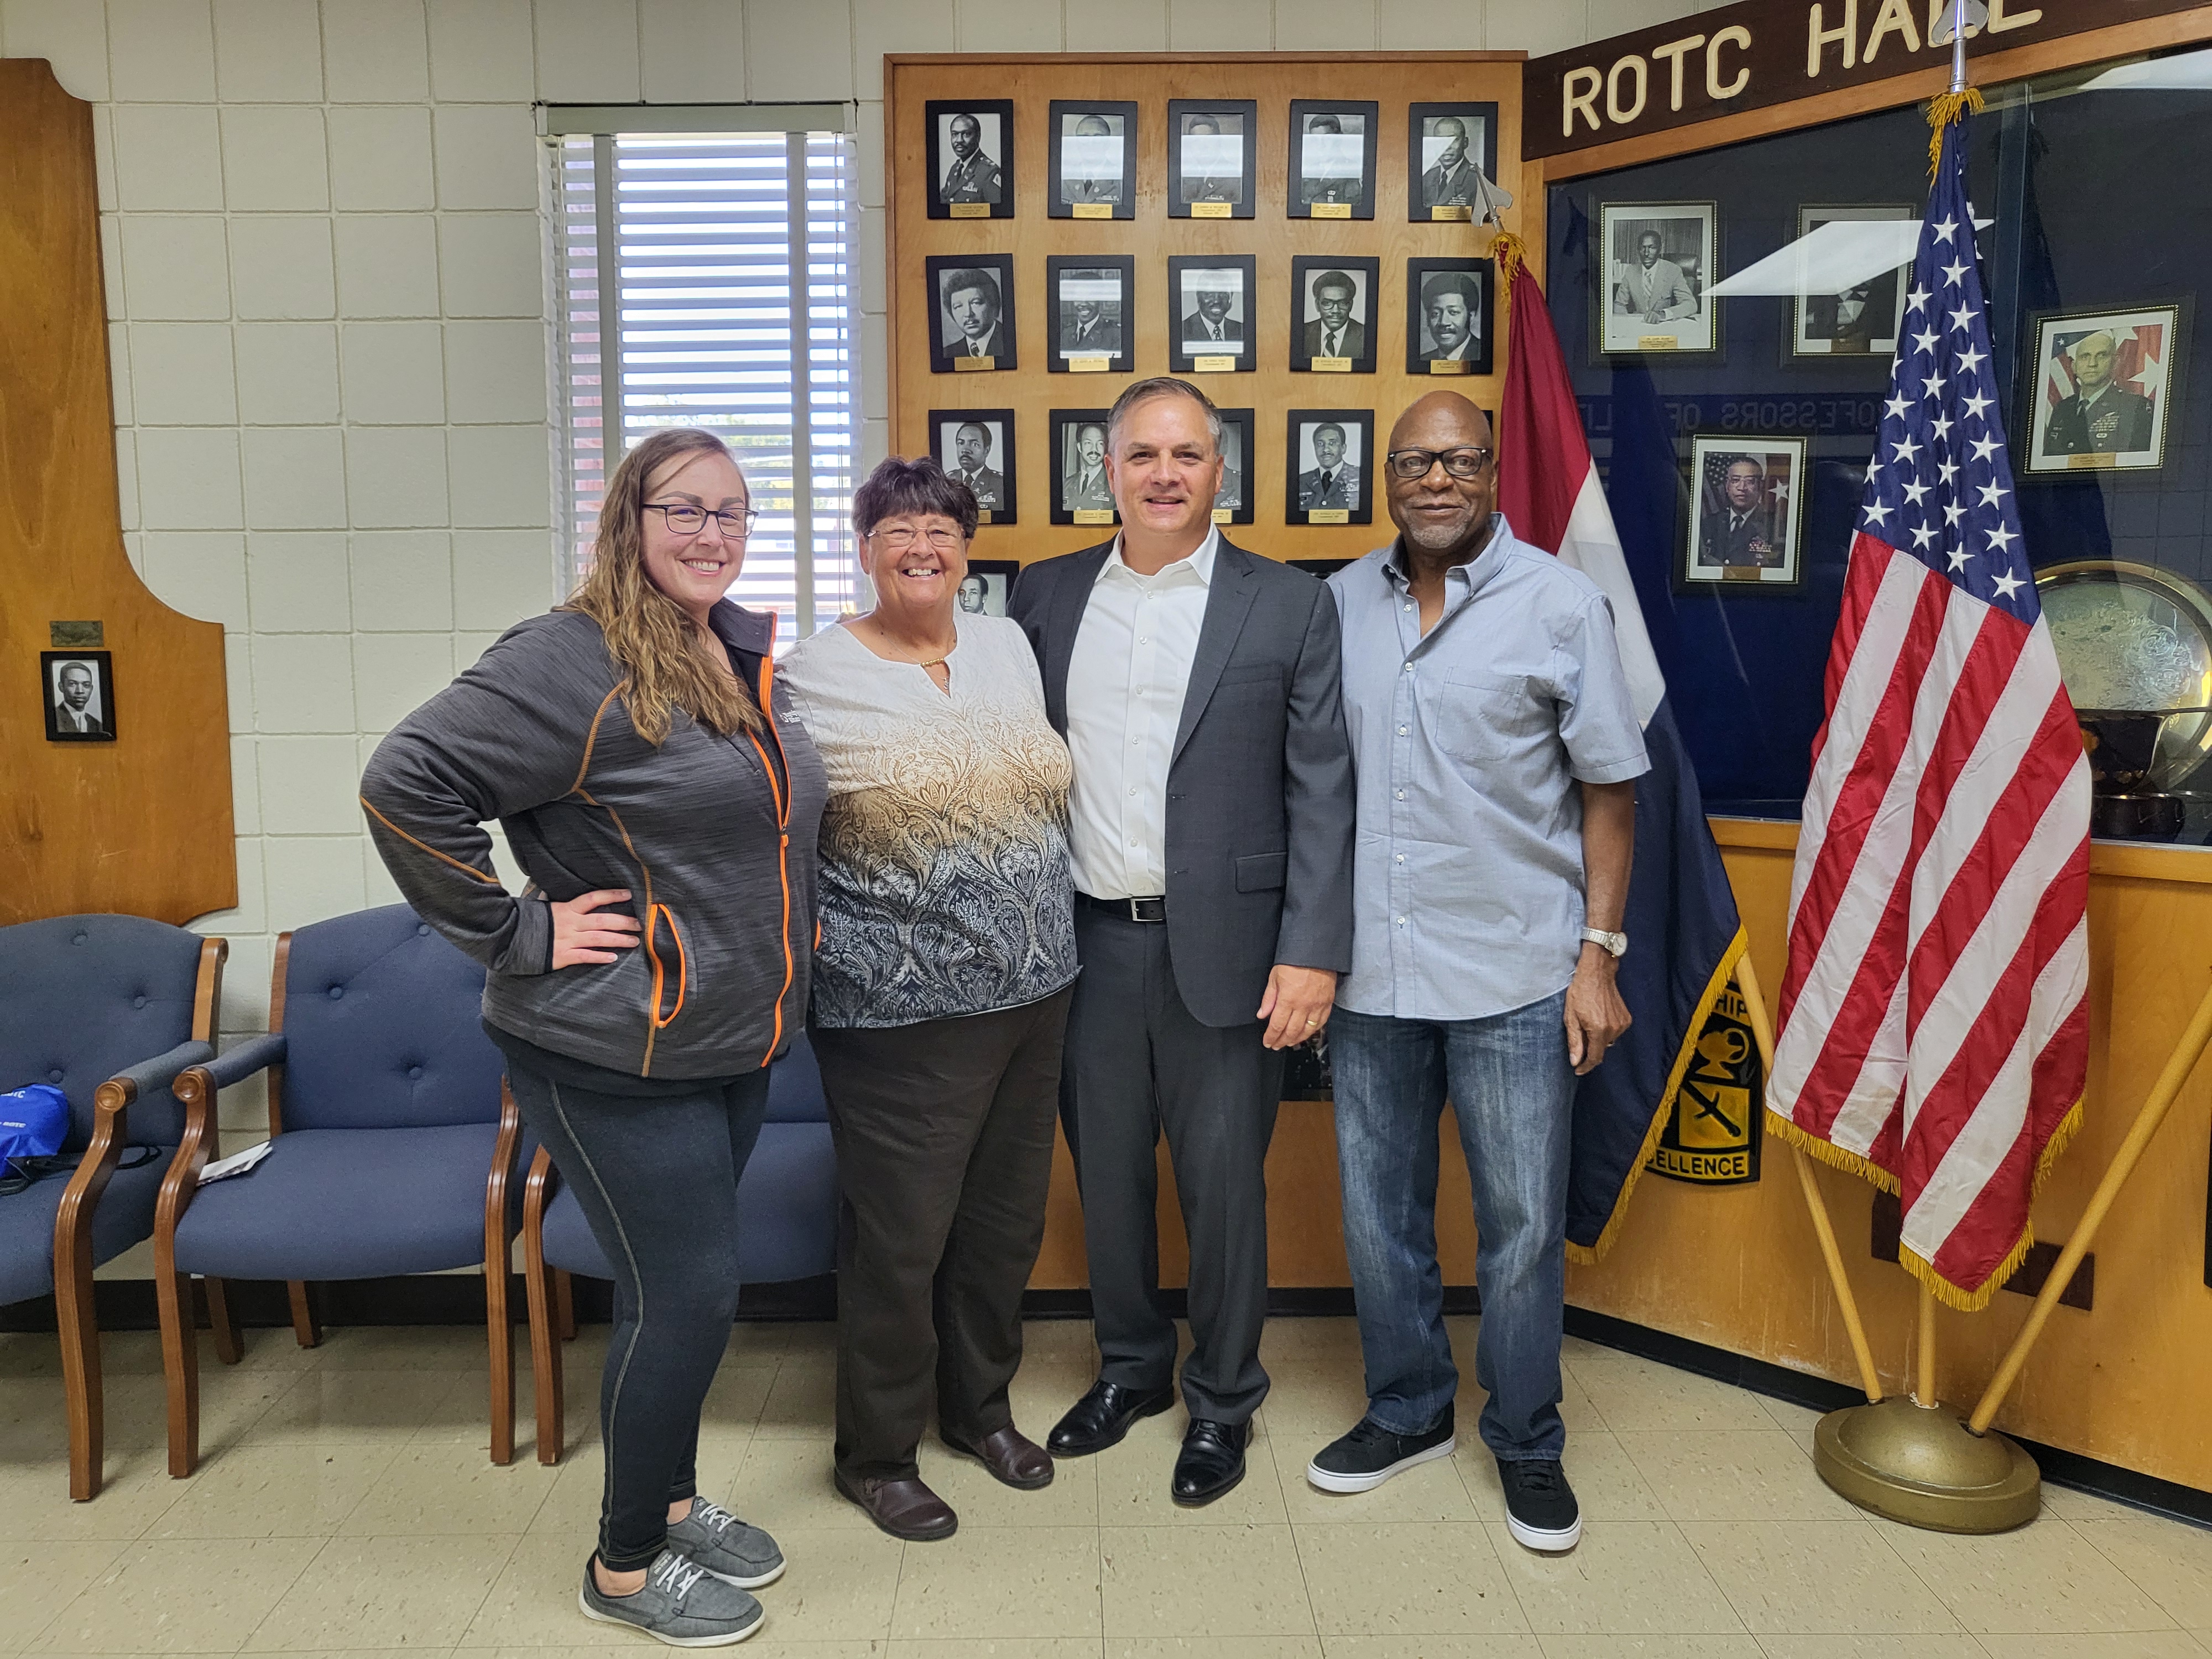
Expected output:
(1934, 1027)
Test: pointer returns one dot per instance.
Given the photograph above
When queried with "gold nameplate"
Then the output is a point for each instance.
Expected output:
(1658, 343)
(1329, 515)
(1091, 209)
(2091, 460)
(983, 515)
(969, 210)
(1454, 215)
(1225, 515)
(1092, 515)
(1742, 573)
(1212, 209)
(1088, 365)
(971, 365)
(1329, 210)
(1331, 365)
(1451, 366)
(1213, 365)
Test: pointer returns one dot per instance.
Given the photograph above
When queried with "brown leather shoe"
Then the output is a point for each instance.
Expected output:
(904, 1508)
(1011, 1455)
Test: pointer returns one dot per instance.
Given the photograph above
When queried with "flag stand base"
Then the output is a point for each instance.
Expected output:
(1922, 1466)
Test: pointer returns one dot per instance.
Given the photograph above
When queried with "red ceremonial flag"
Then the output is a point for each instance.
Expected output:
(1934, 1031)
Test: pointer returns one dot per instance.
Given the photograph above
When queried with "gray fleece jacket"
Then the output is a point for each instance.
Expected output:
(713, 836)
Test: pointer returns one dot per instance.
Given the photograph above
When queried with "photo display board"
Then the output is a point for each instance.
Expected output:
(1122, 210)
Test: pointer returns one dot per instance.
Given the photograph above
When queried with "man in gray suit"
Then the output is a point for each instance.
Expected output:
(1197, 686)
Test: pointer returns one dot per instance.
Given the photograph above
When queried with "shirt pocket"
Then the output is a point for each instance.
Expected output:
(1485, 717)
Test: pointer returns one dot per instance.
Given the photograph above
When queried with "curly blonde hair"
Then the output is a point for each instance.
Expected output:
(663, 661)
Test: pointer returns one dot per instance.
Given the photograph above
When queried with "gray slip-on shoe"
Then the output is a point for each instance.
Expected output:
(681, 1604)
(711, 1537)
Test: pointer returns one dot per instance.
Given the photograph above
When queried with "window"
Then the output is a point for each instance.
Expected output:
(731, 251)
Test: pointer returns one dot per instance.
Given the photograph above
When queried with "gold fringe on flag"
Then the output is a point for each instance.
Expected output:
(1947, 110)
(1512, 256)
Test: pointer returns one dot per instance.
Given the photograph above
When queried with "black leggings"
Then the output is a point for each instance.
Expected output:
(658, 1181)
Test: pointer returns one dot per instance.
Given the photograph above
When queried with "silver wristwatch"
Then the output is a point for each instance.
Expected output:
(1613, 945)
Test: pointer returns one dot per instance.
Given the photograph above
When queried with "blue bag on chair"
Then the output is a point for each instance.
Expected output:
(33, 1121)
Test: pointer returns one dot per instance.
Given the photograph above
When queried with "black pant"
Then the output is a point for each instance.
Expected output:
(1139, 1062)
(944, 1133)
(658, 1181)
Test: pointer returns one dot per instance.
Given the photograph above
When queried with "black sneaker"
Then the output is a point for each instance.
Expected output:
(1541, 1511)
(1370, 1454)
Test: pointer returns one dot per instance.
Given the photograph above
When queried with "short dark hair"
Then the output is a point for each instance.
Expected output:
(1328, 426)
(1335, 279)
(961, 281)
(899, 486)
(1451, 281)
(1163, 385)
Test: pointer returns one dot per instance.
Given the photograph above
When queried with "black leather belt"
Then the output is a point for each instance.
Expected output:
(1129, 909)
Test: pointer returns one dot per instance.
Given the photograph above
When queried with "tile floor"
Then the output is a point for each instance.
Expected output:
(345, 1505)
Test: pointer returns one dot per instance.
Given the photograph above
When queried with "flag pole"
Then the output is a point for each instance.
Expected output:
(2178, 1066)
(1762, 1030)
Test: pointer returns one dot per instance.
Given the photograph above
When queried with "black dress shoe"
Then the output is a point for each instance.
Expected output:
(1212, 1462)
(1103, 1416)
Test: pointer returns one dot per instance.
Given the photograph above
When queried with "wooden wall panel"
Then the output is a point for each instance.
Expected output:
(1273, 79)
(142, 824)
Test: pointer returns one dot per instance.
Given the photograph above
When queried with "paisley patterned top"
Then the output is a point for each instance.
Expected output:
(945, 884)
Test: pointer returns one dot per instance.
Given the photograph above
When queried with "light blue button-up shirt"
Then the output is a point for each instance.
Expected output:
(1470, 745)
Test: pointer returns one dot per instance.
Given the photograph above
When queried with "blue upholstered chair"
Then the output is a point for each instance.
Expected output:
(109, 1009)
(394, 1144)
(787, 1225)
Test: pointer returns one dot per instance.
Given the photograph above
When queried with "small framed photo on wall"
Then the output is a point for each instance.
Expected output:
(1094, 160)
(1081, 493)
(1210, 298)
(1332, 314)
(1328, 463)
(1449, 316)
(976, 446)
(1232, 502)
(1091, 311)
(1659, 261)
(971, 158)
(1746, 515)
(2104, 382)
(974, 296)
(1332, 159)
(983, 590)
(1864, 319)
(79, 688)
(1211, 149)
(1448, 145)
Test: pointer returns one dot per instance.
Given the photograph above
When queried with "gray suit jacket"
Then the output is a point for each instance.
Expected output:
(1259, 790)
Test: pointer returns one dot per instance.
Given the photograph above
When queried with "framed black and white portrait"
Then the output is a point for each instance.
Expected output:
(2103, 384)
(1746, 510)
(1094, 160)
(1862, 319)
(79, 688)
(982, 592)
(1449, 316)
(1659, 259)
(1332, 159)
(1211, 149)
(1332, 314)
(1081, 493)
(1448, 144)
(1232, 502)
(971, 158)
(1329, 467)
(1092, 316)
(974, 295)
(1210, 304)
(976, 446)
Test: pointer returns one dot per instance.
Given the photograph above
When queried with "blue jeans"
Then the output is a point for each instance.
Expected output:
(1512, 1091)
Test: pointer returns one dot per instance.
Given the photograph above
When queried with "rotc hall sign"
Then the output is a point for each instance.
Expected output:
(1759, 53)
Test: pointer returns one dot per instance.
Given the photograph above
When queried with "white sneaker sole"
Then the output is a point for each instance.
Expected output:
(1326, 1480)
(1544, 1541)
(722, 1639)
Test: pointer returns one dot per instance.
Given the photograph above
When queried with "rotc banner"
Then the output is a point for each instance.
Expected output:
(1711, 1135)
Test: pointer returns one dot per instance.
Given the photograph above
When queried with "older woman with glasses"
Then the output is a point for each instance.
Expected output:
(941, 986)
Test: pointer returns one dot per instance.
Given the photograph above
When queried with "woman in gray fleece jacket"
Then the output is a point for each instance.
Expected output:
(662, 798)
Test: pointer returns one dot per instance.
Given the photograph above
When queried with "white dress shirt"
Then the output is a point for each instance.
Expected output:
(1125, 689)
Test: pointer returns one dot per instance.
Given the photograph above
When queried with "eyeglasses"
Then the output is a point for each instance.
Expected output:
(688, 520)
(900, 540)
(1412, 463)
